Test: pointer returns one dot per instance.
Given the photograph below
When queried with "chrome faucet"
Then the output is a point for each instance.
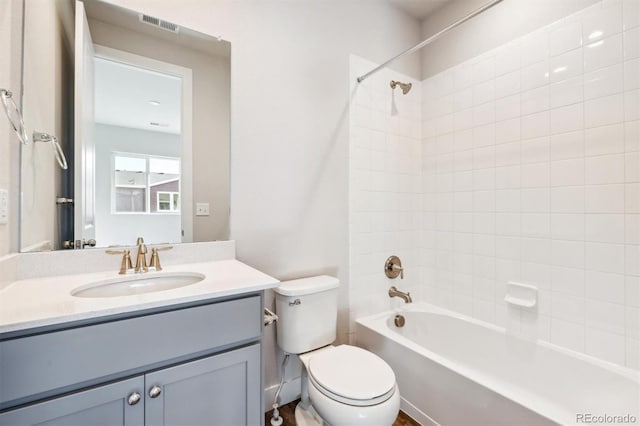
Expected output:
(141, 257)
(394, 292)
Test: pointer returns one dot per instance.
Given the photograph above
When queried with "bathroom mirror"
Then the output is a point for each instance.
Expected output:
(141, 107)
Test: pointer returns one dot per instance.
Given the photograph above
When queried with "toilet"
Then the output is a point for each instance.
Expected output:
(341, 385)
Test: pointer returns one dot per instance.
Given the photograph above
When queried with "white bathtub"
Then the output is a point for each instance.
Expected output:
(455, 370)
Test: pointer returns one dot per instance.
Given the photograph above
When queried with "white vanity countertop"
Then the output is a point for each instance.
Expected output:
(39, 302)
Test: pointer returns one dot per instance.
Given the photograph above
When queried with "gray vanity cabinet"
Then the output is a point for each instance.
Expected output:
(102, 406)
(218, 390)
(196, 365)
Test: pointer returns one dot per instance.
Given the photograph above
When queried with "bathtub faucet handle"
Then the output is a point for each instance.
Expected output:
(393, 267)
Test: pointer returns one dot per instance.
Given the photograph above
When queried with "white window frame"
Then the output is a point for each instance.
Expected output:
(172, 195)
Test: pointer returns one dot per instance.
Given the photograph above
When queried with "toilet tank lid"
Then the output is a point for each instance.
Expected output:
(309, 285)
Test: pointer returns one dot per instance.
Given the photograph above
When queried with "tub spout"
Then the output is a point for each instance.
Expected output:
(394, 292)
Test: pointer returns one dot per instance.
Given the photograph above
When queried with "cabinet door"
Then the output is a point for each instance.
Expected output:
(223, 389)
(106, 405)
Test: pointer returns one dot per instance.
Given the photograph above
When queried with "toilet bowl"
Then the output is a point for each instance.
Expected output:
(348, 385)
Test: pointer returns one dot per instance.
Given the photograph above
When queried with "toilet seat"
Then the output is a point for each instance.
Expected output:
(352, 376)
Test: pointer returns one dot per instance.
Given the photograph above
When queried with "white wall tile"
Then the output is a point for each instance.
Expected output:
(534, 75)
(606, 287)
(569, 145)
(604, 198)
(566, 92)
(632, 43)
(567, 172)
(604, 169)
(602, 22)
(566, 37)
(507, 130)
(484, 92)
(534, 150)
(604, 82)
(605, 228)
(534, 125)
(632, 136)
(567, 226)
(632, 167)
(630, 14)
(632, 229)
(507, 84)
(568, 280)
(632, 259)
(632, 198)
(534, 100)
(566, 66)
(572, 199)
(508, 107)
(533, 200)
(566, 253)
(605, 257)
(604, 140)
(603, 111)
(632, 105)
(604, 53)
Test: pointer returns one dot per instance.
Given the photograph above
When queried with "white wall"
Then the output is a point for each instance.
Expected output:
(122, 229)
(531, 170)
(10, 78)
(494, 27)
(289, 131)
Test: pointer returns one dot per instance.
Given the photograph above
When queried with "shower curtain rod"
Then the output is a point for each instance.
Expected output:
(430, 39)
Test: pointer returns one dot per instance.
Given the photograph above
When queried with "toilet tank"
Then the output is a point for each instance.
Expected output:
(307, 312)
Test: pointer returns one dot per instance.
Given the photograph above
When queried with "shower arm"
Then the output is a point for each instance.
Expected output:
(429, 40)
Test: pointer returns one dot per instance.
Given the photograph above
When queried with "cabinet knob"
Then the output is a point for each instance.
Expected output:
(133, 398)
(155, 391)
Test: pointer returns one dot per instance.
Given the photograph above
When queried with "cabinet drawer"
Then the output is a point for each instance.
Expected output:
(40, 366)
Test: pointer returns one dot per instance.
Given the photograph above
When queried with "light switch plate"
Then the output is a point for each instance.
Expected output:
(4, 206)
(202, 209)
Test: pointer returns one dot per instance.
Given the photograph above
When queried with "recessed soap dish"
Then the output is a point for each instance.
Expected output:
(522, 295)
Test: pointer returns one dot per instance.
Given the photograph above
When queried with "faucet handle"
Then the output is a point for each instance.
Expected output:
(126, 263)
(155, 259)
(393, 267)
(139, 241)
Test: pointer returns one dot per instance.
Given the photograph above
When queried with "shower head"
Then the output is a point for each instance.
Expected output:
(404, 86)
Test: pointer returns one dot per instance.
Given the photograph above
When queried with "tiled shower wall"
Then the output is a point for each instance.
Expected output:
(385, 188)
(530, 173)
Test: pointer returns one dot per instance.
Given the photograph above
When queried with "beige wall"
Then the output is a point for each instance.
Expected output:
(494, 27)
(10, 66)
(211, 110)
(47, 81)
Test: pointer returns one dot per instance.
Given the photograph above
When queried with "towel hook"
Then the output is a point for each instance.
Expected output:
(14, 115)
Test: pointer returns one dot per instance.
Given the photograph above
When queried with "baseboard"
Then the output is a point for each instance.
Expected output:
(417, 415)
(290, 392)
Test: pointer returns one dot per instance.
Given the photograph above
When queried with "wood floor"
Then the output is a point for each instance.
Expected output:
(287, 414)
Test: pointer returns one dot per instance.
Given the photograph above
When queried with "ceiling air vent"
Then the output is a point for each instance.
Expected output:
(159, 23)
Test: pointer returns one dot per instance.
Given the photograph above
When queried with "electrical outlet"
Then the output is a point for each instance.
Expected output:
(4, 206)
(202, 209)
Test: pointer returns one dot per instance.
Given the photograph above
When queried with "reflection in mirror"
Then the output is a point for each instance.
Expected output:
(144, 120)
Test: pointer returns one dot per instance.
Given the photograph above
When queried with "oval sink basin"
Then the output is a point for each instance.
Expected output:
(138, 284)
